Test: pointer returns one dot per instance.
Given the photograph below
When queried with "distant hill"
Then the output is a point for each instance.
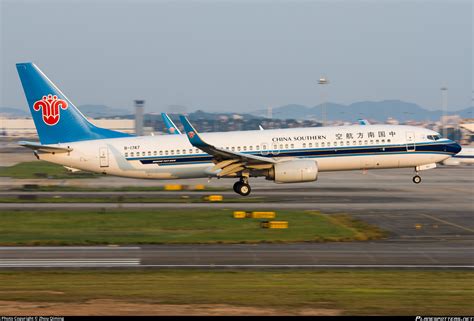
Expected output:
(380, 111)
(102, 111)
(199, 114)
(371, 110)
(13, 112)
(93, 111)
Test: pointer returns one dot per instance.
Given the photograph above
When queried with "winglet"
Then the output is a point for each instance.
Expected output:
(191, 133)
(363, 122)
(170, 126)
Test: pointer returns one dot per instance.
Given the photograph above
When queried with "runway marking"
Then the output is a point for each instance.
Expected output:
(368, 251)
(68, 262)
(74, 248)
(310, 266)
(446, 222)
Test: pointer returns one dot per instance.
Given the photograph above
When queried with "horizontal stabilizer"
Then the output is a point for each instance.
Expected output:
(72, 170)
(45, 148)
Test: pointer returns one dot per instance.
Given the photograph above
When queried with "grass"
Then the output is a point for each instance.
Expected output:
(85, 227)
(353, 292)
(41, 169)
(68, 188)
(122, 199)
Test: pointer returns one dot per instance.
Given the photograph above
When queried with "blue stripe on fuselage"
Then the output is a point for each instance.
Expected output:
(463, 156)
(446, 147)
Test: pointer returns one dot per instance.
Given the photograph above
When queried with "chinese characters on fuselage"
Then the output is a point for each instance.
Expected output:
(338, 136)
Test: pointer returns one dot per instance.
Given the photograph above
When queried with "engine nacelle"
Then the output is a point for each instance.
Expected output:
(294, 171)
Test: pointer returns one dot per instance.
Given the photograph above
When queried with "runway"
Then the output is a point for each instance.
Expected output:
(430, 225)
(384, 254)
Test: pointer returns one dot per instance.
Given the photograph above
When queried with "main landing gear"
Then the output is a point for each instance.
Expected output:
(242, 187)
(416, 178)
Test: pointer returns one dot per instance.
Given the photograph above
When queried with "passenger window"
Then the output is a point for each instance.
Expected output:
(304, 145)
(154, 152)
(371, 141)
(184, 151)
(286, 146)
(149, 153)
(388, 140)
(196, 150)
(383, 140)
(257, 147)
(281, 146)
(377, 141)
(292, 146)
(143, 153)
(132, 154)
(126, 154)
(238, 148)
(250, 147)
(348, 143)
(177, 152)
(322, 144)
(245, 147)
(360, 142)
(166, 152)
(190, 150)
(172, 152)
(310, 145)
(316, 144)
(233, 148)
(366, 142)
(161, 152)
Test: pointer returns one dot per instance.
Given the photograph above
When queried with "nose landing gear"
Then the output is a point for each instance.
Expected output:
(242, 187)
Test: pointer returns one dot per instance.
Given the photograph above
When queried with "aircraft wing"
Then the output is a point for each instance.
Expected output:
(170, 126)
(227, 161)
(45, 148)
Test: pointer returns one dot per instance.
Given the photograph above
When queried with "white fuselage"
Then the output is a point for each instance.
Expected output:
(333, 148)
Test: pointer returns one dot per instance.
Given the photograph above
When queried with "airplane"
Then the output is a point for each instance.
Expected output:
(171, 128)
(282, 155)
(464, 157)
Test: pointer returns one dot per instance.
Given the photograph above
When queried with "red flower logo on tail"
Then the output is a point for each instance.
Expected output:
(50, 106)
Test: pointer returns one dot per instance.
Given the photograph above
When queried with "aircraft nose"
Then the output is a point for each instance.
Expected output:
(455, 147)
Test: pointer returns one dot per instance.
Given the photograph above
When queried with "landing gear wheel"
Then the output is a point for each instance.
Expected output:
(416, 179)
(242, 188)
(236, 187)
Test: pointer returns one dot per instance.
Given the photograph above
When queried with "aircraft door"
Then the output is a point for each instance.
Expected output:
(410, 136)
(104, 156)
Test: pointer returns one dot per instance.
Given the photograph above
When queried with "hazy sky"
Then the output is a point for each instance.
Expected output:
(240, 55)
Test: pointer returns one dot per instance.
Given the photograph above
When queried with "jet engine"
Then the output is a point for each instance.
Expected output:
(294, 171)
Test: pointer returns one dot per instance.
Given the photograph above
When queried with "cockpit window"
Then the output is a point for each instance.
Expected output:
(433, 137)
